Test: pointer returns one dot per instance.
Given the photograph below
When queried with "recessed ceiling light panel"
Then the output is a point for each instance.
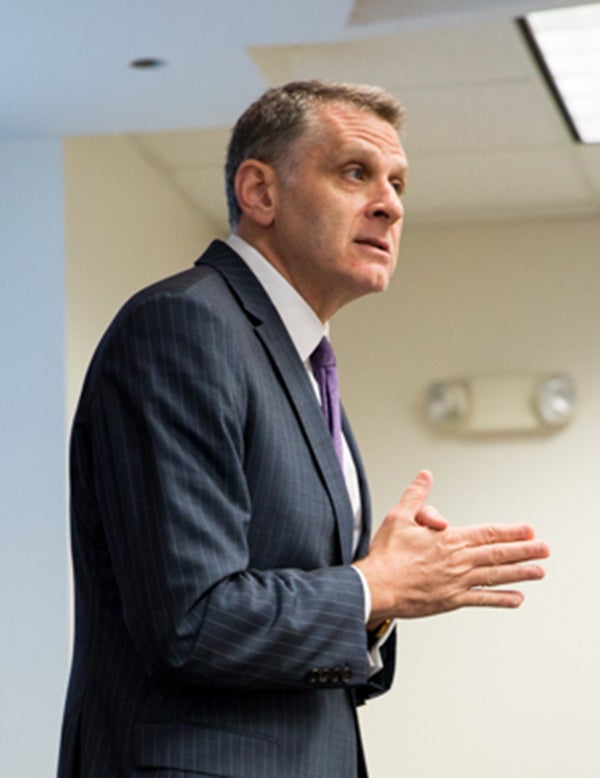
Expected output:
(566, 42)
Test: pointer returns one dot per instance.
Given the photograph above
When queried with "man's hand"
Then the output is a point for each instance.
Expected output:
(418, 566)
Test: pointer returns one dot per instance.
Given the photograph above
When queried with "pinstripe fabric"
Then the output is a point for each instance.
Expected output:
(219, 629)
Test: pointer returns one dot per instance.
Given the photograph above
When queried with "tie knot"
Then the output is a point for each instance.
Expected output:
(323, 356)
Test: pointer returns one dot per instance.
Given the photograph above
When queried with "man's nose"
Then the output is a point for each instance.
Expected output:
(387, 203)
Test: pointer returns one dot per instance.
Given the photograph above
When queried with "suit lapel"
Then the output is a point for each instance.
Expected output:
(292, 374)
(301, 393)
(365, 497)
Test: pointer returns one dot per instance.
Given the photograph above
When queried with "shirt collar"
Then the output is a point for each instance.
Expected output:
(302, 323)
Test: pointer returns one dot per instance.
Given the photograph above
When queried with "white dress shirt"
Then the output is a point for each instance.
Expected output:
(305, 330)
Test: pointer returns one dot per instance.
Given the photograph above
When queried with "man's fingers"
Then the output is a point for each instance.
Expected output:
(416, 494)
(492, 598)
(430, 517)
(499, 554)
(504, 574)
(487, 534)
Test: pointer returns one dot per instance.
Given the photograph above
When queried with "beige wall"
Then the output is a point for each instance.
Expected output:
(489, 694)
(124, 229)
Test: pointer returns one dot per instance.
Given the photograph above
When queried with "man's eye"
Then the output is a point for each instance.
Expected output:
(356, 173)
(398, 187)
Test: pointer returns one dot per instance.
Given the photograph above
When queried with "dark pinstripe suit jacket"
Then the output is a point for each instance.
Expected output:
(219, 628)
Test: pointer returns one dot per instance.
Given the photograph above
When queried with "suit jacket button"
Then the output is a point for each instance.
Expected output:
(335, 675)
(346, 674)
(324, 675)
(313, 676)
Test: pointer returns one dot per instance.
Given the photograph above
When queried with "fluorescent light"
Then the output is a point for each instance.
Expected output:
(566, 41)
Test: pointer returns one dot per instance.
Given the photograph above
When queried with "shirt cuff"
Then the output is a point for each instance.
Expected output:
(366, 591)
(374, 659)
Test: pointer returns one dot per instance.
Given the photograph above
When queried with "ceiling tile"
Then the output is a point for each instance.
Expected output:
(370, 11)
(498, 184)
(419, 59)
(500, 114)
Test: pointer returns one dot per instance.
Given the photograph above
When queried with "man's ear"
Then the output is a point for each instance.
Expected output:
(255, 185)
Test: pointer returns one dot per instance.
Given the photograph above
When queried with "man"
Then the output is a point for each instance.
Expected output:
(228, 616)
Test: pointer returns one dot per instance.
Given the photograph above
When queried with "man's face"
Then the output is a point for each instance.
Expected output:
(338, 209)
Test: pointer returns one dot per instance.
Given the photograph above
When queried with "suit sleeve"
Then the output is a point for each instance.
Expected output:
(160, 439)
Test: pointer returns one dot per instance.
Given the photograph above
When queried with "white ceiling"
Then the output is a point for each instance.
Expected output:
(484, 138)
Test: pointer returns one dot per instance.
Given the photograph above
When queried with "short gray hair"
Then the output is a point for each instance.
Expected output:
(268, 129)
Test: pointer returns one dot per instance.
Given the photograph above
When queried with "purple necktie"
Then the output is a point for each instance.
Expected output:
(323, 364)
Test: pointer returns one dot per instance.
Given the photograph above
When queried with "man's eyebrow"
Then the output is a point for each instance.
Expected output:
(401, 168)
(360, 150)
(357, 149)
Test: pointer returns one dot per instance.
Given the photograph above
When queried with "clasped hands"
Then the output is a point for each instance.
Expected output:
(418, 565)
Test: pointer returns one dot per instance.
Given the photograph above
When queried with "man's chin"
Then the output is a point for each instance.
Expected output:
(377, 280)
